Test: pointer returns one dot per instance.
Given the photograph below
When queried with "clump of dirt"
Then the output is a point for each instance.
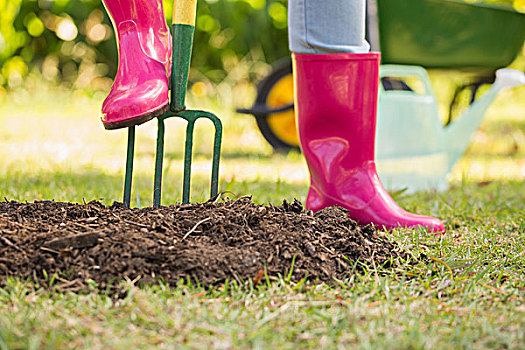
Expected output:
(209, 242)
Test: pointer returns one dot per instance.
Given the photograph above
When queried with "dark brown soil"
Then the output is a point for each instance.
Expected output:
(208, 242)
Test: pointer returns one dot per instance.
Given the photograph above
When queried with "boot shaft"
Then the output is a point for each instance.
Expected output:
(149, 18)
(336, 104)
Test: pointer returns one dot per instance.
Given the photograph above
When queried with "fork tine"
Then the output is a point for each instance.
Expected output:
(129, 167)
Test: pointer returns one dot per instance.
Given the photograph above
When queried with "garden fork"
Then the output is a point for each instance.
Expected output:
(184, 13)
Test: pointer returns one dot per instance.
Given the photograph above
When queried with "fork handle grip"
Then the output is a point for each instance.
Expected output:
(184, 12)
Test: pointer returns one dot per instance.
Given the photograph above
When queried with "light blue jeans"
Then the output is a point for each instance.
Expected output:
(327, 26)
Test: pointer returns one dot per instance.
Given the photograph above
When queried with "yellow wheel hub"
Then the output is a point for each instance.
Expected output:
(282, 124)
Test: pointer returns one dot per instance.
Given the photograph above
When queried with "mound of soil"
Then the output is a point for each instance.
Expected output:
(209, 242)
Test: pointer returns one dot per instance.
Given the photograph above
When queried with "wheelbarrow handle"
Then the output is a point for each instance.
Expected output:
(261, 110)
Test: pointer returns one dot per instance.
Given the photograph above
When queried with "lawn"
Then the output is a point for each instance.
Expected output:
(467, 290)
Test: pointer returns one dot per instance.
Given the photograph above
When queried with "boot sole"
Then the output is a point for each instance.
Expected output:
(136, 120)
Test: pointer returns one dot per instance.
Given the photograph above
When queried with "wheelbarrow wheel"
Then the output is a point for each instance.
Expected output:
(275, 92)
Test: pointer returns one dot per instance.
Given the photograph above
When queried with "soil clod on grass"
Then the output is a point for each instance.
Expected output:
(206, 242)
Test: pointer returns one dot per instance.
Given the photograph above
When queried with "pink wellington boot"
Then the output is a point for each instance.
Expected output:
(140, 89)
(336, 105)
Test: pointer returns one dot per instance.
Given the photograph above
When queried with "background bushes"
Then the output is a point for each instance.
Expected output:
(71, 42)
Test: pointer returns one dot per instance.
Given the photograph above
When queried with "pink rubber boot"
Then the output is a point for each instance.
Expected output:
(140, 89)
(336, 105)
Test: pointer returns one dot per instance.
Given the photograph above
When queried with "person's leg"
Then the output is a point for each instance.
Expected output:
(326, 26)
(140, 90)
(336, 85)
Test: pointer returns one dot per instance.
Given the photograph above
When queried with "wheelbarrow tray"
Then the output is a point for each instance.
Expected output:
(449, 34)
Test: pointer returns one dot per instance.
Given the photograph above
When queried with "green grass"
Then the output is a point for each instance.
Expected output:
(467, 291)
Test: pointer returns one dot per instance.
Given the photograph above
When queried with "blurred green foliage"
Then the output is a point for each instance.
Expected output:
(71, 42)
(64, 40)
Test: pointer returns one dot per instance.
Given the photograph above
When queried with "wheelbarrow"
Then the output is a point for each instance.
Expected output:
(412, 35)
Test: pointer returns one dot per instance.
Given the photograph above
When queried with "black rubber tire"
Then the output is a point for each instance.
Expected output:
(280, 69)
